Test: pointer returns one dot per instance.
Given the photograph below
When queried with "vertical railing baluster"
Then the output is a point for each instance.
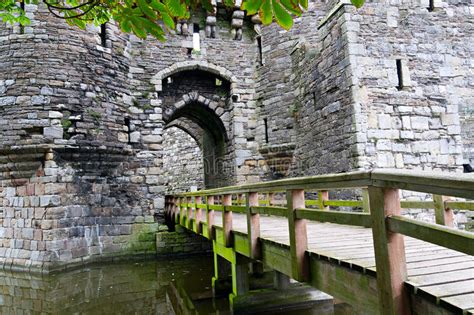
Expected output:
(253, 225)
(443, 214)
(298, 236)
(227, 220)
(389, 252)
(198, 214)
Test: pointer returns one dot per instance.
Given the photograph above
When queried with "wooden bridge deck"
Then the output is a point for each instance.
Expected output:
(438, 273)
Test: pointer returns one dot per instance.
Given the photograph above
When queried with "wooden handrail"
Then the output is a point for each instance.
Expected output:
(382, 213)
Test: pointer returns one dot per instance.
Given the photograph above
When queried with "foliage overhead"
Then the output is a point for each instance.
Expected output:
(150, 17)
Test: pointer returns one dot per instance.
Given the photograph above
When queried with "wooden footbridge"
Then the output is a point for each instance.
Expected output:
(375, 259)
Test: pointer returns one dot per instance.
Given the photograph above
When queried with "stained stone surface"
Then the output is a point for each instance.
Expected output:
(87, 150)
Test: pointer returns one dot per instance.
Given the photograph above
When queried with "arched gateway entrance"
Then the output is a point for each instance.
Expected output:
(198, 101)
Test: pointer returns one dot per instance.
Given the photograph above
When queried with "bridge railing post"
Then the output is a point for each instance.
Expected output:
(198, 214)
(298, 236)
(227, 220)
(389, 250)
(210, 217)
(253, 225)
(443, 214)
(189, 223)
(182, 211)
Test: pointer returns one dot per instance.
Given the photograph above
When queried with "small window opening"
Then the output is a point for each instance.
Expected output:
(196, 38)
(399, 74)
(129, 129)
(103, 35)
(169, 80)
(431, 6)
(189, 52)
(260, 52)
(218, 82)
(22, 7)
(265, 121)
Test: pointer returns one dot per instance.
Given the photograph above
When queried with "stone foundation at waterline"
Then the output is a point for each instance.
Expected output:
(92, 135)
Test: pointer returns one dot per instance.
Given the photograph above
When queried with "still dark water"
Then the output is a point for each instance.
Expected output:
(122, 288)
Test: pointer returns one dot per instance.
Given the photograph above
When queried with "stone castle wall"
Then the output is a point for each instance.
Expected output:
(94, 135)
(182, 162)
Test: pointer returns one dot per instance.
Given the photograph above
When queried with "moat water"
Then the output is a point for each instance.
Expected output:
(150, 287)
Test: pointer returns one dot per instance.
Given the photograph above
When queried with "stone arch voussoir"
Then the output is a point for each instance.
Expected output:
(157, 79)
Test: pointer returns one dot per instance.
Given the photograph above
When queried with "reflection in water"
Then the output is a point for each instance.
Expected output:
(125, 288)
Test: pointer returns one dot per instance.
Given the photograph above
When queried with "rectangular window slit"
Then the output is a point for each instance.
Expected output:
(399, 74)
(129, 129)
(103, 35)
(22, 7)
(266, 129)
(260, 52)
(196, 38)
(431, 6)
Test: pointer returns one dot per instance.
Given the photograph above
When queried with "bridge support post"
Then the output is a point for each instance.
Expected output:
(189, 222)
(298, 236)
(197, 214)
(280, 281)
(389, 253)
(253, 225)
(227, 220)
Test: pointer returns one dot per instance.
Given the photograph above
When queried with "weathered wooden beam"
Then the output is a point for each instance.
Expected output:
(240, 275)
(339, 217)
(443, 214)
(389, 253)
(298, 236)
(182, 211)
(210, 218)
(269, 210)
(461, 241)
(227, 220)
(253, 225)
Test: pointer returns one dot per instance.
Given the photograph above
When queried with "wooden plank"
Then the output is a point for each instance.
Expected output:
(343, 203)
(365, 200)
(443, 268)
(449, 289)
(465, 301)
(298, 236)
(237, 209)
(413, 204)
(389, 253)
(440, 278)
(440, 235)
(439, 262)
(227, 220)
(339, 217)
(456, 185)
(461, 205)
(216, 207)
(253, 225)
(443, 214)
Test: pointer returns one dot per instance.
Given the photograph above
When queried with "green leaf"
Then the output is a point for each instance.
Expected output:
(266, 13)
(143, 5)
(176, 8)
(292, 6)
(251, 6)
(304, 4)
(358, 3)
(282, 17)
